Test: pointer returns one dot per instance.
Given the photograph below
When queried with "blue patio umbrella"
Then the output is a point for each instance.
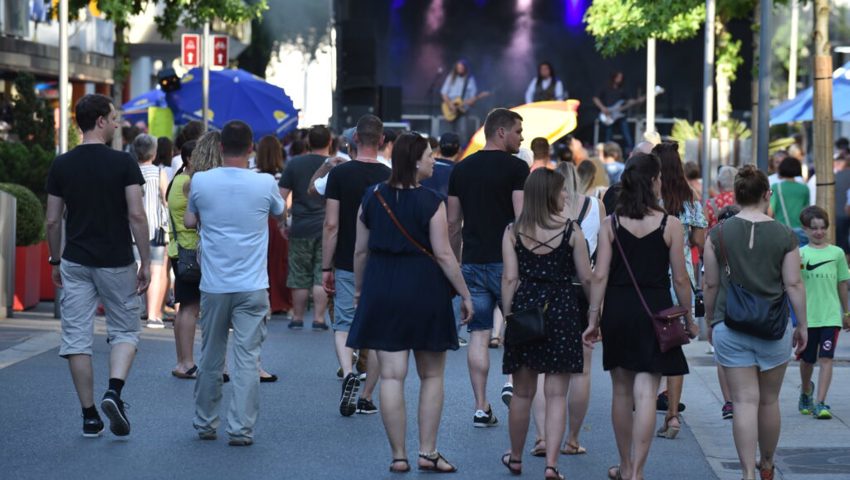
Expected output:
(137, 109)
(235, 95)
(800, 108)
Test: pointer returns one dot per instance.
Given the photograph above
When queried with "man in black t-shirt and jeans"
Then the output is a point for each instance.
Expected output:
(101, 191)
(305, 232)
(485, 195)
(346, 185)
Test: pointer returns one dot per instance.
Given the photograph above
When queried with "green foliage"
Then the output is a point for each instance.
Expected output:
(727, 54)
(33, 118)
(27, 166)
(29, 225)
(684, 130)
(622, 25)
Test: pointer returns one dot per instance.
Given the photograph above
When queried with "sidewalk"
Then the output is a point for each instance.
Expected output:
(809, 449)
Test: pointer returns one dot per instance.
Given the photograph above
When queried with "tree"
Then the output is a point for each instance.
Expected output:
(33, 118)
(190, 13)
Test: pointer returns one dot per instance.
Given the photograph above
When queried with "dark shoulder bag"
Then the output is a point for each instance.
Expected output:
(669, 324)
(523, 327)
(749, 313)
(186, 265)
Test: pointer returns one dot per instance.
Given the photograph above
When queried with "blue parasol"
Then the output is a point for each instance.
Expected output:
(800, 108)
(235, 95)
(137, 109)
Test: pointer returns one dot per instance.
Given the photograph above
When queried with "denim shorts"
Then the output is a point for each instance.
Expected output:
(343, 300)
(736, 349)
(484, 281)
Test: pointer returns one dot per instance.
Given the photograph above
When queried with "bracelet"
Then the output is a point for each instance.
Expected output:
(327, 270)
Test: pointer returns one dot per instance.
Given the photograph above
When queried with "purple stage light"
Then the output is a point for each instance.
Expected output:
(574, 12)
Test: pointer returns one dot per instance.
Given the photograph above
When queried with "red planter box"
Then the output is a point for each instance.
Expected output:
(27, 276)
(47, 292)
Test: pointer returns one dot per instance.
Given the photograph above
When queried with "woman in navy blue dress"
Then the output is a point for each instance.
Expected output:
(405, 277)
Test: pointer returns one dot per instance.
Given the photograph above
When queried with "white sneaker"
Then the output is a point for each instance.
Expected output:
(155, 323)
(507, 394)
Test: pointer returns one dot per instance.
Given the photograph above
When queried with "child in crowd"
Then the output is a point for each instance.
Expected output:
(825, 274)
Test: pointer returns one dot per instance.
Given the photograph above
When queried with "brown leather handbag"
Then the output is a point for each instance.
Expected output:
(669, 324)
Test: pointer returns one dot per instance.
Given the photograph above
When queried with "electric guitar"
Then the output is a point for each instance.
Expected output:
(617, 110)
(457, 107)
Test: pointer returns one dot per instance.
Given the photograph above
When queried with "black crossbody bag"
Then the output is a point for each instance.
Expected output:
(749, 313)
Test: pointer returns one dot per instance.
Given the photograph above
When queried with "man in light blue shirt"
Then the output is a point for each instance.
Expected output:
(230, 206)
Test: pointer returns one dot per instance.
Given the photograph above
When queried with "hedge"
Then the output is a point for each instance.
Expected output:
(29, 228)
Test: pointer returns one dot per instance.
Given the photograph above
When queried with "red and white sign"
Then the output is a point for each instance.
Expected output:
(191, 50)
(220, 58)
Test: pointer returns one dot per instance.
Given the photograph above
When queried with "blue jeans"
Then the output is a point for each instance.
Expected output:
(623, 125)
(485, 285)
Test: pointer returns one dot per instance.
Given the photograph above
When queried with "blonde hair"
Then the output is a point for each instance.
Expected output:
(571, 181)
(207, 153)
(541, 201)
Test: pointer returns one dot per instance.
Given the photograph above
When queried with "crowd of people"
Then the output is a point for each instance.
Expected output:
(398, 245)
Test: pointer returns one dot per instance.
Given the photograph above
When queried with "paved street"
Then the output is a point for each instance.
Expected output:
(300, 434)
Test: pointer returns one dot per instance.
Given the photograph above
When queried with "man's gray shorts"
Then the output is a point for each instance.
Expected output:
(85, 287)
(343, 300)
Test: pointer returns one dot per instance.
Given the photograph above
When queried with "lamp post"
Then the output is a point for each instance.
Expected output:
(707, 97)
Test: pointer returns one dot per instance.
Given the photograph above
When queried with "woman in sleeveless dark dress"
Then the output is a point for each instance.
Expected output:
(653, 243)
(403, 295)
(542, 254)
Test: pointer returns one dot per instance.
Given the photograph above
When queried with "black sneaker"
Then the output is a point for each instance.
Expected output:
(348, 399)
(662, 403)
(296, 325)
(507, 394)
(320, 327)
(366, 407)
(728, 411)
(92, 427)
(113, 408)
(484, 419)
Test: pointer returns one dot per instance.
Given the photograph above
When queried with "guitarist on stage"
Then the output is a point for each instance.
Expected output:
(459, 93)
(606, 99)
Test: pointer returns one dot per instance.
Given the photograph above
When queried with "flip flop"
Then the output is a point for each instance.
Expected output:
(573, 449)
(188, 374)
(539, 449)
(616, 473)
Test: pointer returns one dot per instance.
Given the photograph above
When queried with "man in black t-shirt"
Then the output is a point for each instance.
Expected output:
(485, 195)
(305, 232)
(100, 189)
(346, 185)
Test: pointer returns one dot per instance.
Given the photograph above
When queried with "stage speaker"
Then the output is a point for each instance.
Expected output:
(389, 103)
(356, 50)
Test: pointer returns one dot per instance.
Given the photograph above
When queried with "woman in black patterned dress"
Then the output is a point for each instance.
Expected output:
(542, 253)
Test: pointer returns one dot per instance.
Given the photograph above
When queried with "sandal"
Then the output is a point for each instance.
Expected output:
(393, 469)
(495, 342)
(436, 462)
(614, 473)
(767, 474)
(570, 449)
(188, 374)
(558, 474)
(507, 461)
(539, 449)
(670, 431)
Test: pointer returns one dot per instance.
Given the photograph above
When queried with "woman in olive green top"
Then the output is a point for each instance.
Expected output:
(763, 257)
(187, 294)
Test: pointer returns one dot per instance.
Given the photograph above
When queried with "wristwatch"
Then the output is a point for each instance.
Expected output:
(54, 261)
